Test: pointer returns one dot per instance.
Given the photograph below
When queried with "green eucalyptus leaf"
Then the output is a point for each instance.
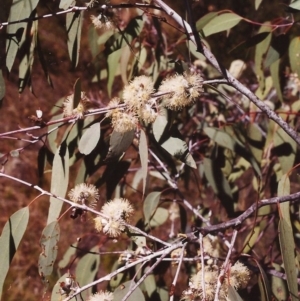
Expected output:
(279, 288)
(220, 23)
(219, 184)
(260, 53)
(150, 205)
(286, 239)
(65, 4)
(26, 63)
(287, 246)
(122, 290)
(285, 148)
(140, 241)
(2, 86)
(160, 124)
(294, 55)
(150, 283)
(77, 93)
(295, 5)
(112, 67)
(10, 239)
(255, 141)
(81, 174)
(74, 26)
(143, 150)
(264, 285)
(16, 32)
(160, 217)
(233, 294)
(257, 4)
(48, 242)
(117, 279)
(89, 139)
(56, 294)
(179, 149)
(119, 143)
(274, 70)
(220, 137)
(87, 269)
(71, 251)
(163, 294)
(59, 181)
(251, 239)
(205, 19)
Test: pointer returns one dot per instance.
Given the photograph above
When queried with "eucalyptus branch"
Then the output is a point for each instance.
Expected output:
(236, 222)
(74, 9)
(177, 271)
(202, 265)
(230, 79)
(144, 276)
(83, 207)
(162, 253)
(225, 265)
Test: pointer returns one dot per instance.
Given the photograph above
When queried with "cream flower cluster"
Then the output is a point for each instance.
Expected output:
(238, 276)
(102, 21)
(181, 90)
(102, 296)
(117, 211)
(139, 103)
(68, 106)
(84, 194)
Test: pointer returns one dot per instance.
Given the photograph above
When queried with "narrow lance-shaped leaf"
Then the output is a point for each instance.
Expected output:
(48, 241)
(295, 5)
(257, 3)
(74, 26)
(119, 143)
(274, 70)
(56, 294)
(89, 139)
(286, 148)
(221, 23)
(178, 148)
(263, 283)
(112, 67)
(294, 54)
(174, 146)
(150, 205)
(2, 86)
(77, 93)
(27, 60)
(260, 52)
(59, 181)
(143, 150)
(286, 239)
(233, 294)
(67, 256)
(11, 236)
(122, 290)
(15, 32)
(65, 4)
(160, 217)
(87, 269)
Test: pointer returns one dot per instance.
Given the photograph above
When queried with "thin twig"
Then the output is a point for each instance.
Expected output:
(84, 207)
(173, 285)
(225, 265)
(236, 222)
(108, 277)
(202, 266)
